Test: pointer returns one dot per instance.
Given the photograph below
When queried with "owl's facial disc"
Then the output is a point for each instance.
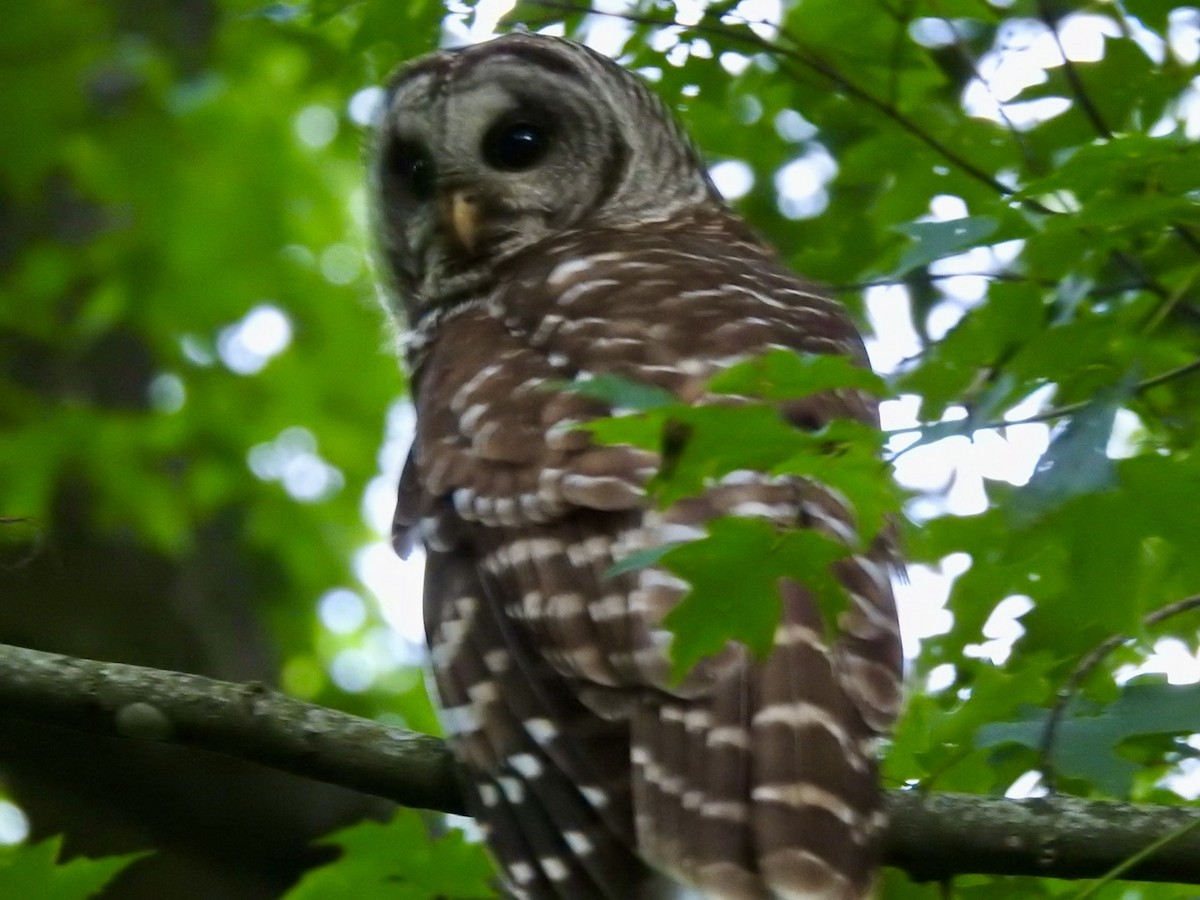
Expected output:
(487, 151)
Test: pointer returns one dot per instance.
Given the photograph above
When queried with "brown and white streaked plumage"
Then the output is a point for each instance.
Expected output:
(542, 217)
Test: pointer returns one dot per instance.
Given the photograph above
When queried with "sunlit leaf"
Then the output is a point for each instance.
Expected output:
(33, 872)
(399, 859)
(735, 574)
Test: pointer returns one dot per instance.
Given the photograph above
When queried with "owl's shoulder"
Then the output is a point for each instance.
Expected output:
(679, 295)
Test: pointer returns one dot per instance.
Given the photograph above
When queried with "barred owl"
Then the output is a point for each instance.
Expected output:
(542, 218)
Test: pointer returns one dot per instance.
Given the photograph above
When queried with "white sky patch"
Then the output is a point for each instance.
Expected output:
(1002, 629)
(342, 611)
(940, 678)
(793, 127)
(399, 430)
(690, 12)
(608, 34)
(472, 24)
(245, 347)
(1185, 781)
(801, 183)
(366, 106)
(763, 16)
(893, 338)
(1027, 785)
(14, 824)
(964, 277)
(397, 586)
(379, 503)
(292, 460)
(933, 32)
(196, 351)
(734, 63)
(167, 392)
(1183, 34)
(733, 178)
(1170, 657)
(921, 600)
(1024, 50)
(352, 670)
(1126, 435)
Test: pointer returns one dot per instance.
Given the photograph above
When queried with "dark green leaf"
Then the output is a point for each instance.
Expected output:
(735, 573)
(1088, 741)
(1076, 461)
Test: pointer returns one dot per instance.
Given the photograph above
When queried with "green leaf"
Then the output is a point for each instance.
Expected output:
(700, 444)
(1154, 13)
(735, 574)
(640, 560)
(618, 392)
(32, 872)
(1128, 163)
(846, 456)
(933, 240)
(1088, 740)
(788, 375)
(399, 859)
(1077, 461)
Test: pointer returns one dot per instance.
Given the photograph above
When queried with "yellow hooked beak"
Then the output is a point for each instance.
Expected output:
(461, 213)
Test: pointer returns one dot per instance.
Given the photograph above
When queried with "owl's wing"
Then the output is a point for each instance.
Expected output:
(543, 780)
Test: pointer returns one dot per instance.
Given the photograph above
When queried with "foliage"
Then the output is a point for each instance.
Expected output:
(371, 865)
(735, 570)
(169, 175)
(33, 872)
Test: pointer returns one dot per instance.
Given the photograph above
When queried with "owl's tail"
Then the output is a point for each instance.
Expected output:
(766, 789)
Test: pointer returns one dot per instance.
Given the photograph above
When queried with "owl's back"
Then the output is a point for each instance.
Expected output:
(751, 779)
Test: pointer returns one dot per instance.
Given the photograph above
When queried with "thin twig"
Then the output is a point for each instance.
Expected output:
(964, 54)
(1057, 412)
(1072, 74)
(1083, 669)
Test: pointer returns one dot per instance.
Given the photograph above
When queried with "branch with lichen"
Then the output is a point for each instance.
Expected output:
(931, 836)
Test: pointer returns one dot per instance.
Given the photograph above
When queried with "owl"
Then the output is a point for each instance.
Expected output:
(542, 219)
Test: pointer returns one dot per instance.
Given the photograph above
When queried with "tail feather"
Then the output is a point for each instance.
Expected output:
(814, 790)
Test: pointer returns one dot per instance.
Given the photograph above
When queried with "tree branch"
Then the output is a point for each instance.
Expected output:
(933, 837)
(246, 721)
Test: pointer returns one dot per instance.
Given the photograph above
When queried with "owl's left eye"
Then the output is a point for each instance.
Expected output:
(410, 163)
(513, 146)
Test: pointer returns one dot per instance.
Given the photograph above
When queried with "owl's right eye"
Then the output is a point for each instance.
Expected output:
(515, 145)
(409, 164)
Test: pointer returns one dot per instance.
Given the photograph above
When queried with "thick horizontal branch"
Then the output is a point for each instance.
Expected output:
(246, 721)
(933, 837)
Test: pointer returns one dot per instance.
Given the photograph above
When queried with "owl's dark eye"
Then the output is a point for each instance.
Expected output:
(513, 146)
(411, 166)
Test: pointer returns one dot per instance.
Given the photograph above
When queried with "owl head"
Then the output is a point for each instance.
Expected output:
(483, 152)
